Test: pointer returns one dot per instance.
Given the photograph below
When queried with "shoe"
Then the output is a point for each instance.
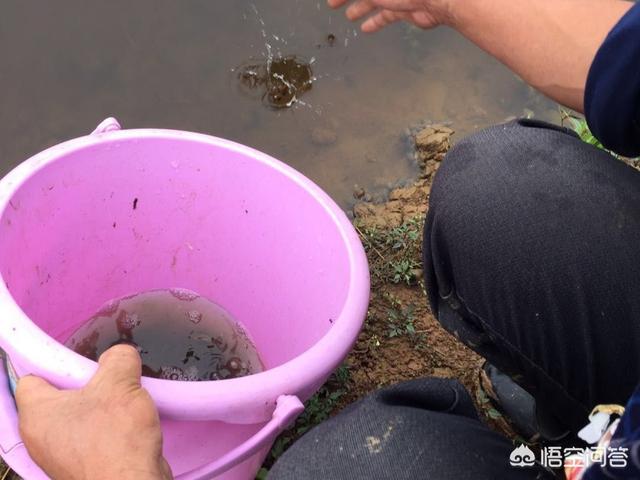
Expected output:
(530, 421)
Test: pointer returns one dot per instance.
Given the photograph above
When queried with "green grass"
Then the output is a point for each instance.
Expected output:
(395, 257)
(398, 325)
(403, 271)
(401, 322)
(400, 318)
(579, 125)
(394, 253)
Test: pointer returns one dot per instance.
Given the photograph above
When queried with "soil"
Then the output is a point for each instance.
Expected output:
(381, 358)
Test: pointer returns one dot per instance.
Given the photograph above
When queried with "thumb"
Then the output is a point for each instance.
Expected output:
(33, 390)
(120, 366)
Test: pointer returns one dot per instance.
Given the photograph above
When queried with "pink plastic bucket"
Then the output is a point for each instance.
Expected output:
(124, 211)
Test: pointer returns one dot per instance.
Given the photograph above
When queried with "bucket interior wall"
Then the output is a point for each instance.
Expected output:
(130, 215)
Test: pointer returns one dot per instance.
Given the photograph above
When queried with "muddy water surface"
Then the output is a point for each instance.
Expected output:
(162, 63)
(179, 335)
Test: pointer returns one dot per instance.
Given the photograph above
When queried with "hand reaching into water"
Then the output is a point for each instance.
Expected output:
(422, 13)
(109, 429)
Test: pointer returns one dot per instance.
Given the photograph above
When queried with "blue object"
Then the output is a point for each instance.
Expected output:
(627, 436)
(612, 108)
(13, 383)
(612, 92)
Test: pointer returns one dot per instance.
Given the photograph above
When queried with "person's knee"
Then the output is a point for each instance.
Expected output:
(463, 174)
(486, 186)
(483, 165)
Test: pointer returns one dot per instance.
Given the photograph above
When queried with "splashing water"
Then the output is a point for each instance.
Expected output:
(281, 80)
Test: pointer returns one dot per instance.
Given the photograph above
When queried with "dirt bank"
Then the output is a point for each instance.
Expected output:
(401, 339)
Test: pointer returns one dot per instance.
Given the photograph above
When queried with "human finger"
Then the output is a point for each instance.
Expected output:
(381, 20)
(359, 9)
(336, 3)
(119, 365)
(399, 5)
(32, 389)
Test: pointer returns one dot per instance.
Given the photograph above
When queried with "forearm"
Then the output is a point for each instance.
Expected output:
(549, 43)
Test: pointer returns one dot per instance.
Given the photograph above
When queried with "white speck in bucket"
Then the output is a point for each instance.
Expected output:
(108, 308)
(184, 294)
(171, 373)
(174, 373)
(194, 316)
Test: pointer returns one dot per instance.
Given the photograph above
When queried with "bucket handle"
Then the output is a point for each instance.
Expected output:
(107, 125)
(288, 407)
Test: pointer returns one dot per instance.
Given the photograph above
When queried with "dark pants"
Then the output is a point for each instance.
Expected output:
(532, 258)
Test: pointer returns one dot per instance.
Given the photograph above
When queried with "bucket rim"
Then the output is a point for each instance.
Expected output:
(248, 399)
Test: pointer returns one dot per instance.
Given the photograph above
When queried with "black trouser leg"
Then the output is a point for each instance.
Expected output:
(532, 257)
(422, 429)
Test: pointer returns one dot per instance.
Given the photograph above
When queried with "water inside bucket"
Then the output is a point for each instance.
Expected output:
(179, 334)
